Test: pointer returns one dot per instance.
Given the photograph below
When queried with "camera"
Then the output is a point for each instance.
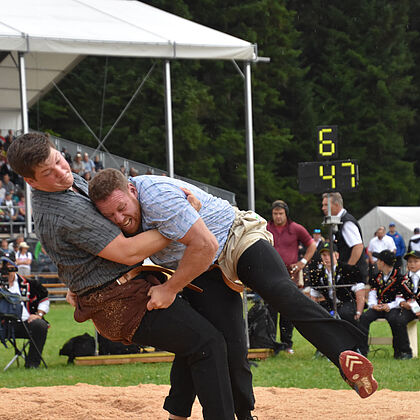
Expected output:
(7, 266)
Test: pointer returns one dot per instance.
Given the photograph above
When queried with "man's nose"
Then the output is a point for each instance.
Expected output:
(118, 218)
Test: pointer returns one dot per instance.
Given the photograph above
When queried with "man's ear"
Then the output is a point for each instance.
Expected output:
(30, 181)
(132, 190)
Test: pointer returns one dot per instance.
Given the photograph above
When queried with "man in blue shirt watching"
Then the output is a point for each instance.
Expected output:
(399, 243)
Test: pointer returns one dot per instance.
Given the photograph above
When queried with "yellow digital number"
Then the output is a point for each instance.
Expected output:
(323, 142)
(331, 176)
(352, 172)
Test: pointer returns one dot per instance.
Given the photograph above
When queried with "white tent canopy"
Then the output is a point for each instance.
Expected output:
(41, 40)
(405, 219)
(55, 35)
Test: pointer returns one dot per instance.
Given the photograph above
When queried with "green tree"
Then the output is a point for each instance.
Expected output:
(360, 65)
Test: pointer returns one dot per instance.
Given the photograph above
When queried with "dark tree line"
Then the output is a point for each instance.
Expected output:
(352, 63)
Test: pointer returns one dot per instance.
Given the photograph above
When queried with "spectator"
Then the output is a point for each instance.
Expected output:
(98, 163)
(348, 237)
(319, 242)
(414, 243)
(8, 139)
(2, 193)
(4, 246)
(87, 176)
(21, 211)
(379, 243)
(350, 300)
(399, 243)
(3, 154)
(133, 172)
(287, 236)
(33, 311)
(66, 155)
(8, 184)
(9, 211)
(6, 169)
(88, 165)
(14, 246)
(77, 166)
(24, 259)
(384, 300)
(2, 139)
(123, 170)
(410, 307)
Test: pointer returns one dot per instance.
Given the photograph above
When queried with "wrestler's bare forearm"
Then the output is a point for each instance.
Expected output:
(201, 248)
(132, 250)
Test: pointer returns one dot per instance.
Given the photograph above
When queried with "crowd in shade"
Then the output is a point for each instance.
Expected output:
(12, 195)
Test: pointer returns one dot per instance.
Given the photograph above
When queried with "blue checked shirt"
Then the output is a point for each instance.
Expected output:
(164, 207)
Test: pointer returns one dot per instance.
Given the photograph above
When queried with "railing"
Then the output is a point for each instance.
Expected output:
(113, 161)
(7, 223)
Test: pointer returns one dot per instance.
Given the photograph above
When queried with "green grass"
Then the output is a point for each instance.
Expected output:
(299, 370)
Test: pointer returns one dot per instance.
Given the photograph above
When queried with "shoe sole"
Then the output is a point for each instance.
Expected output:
(358, 372)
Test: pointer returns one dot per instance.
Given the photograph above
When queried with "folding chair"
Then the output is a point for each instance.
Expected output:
(8, 326)
(10, 316)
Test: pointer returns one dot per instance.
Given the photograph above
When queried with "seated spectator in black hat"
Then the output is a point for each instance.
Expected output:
(351, 299)
(384, 302)
(33, 311)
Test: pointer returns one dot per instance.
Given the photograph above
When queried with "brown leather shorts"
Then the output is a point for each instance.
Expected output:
(117, 309)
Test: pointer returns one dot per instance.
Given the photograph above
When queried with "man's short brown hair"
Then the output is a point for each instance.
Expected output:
(105, 182)
(27, 152)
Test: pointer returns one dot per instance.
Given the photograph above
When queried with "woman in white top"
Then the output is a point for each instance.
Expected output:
(24, 259)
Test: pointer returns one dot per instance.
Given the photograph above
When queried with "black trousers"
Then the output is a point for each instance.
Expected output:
(223, 308)
(397, 319)
(38, 328)
(183, 331)
(285, 327)
(261, 268)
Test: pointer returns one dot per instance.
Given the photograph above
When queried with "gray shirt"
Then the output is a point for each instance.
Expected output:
(73, 232)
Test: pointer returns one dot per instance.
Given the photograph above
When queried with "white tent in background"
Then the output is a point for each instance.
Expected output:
(42, 40)
(56, 35)
(405, 219)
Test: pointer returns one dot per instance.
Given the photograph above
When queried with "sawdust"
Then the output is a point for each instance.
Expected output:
(144, 402)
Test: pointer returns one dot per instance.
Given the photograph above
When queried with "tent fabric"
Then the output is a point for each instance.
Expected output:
(405, 219)
(113, 28)
(56, 35)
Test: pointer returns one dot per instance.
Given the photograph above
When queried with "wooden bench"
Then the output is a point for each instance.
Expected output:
(56, 291)
(151, 357)
(412, 336)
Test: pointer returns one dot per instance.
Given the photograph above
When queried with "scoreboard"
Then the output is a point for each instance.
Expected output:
(328, 175)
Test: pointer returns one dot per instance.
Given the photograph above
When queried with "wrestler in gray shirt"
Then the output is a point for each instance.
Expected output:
(73, 233)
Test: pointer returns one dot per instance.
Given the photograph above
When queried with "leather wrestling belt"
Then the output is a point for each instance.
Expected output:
(237, 286)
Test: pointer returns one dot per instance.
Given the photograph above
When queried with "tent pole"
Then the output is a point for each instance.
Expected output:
(25, 129)
(249, 137)
(168, 120)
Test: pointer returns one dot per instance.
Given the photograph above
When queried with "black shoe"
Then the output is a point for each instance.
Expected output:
(403, 356)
